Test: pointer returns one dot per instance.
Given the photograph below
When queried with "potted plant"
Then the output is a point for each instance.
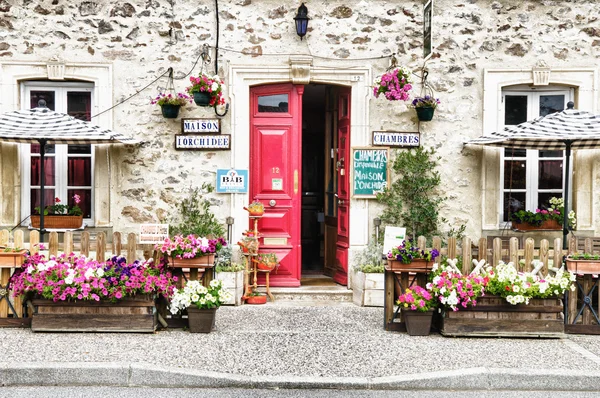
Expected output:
(255, 297)
(395, 85)
(266, 261)
(583, 263)
(201, 303)
(170, 103)
(11, 257)
(190, 251)
(543, 219)
(207, 91)
(194, 216)
(407, 257)
(368, 283)
(417, 306)
(255, 209)
(231, 274)
(74, 293)
(60, 215)
(425, 107)
(452, 289)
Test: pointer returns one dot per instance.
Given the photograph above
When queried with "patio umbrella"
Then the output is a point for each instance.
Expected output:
(566, 130)
(44, 126)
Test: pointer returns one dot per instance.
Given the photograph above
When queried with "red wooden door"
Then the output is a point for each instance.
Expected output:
(343, 188)
(275, 174)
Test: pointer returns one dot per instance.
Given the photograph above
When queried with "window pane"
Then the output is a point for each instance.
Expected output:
(273, 103)
(79, 172)
(551, 154)
(79, 105)
(80, 149)
(550, 174)
(48, 96)
(344, 109)
(35, 199)
(515, 152)
(36, 173)
(515, 174)
(544, 199)
(551, 104)
(35, 148)
(515, 109)
(516, 201)
(86, 200)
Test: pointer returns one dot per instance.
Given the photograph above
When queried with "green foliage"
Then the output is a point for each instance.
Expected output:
(369, 259)
(195, 216)
(413, 200)
(584, 256)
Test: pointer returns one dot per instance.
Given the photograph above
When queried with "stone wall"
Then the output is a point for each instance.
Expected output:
(141, 39)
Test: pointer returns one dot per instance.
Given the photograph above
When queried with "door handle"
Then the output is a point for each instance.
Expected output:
(272, 202)
(340, 202)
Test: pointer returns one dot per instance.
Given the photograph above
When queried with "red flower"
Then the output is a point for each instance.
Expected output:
(507, 288)
(57, 200)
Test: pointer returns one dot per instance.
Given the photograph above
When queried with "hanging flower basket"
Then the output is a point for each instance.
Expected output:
(202, 98)
(170, 111)
(425, 114)
(207, 91)
(425, 107)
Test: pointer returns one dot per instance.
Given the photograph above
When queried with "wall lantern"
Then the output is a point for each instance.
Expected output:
(301, 21)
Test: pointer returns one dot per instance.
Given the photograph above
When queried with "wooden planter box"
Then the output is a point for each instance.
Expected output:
(198, 262)
(58, 221)
(583, 266)
(135, 314)
(12, 259)
(368, 289)
(548, 225)
(494, 317)
(234, 282)
(419, 265)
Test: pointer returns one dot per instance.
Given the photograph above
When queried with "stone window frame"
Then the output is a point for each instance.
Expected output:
(584, 82)
(12, 73)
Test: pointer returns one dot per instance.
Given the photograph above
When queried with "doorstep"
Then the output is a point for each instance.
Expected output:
(312, 295)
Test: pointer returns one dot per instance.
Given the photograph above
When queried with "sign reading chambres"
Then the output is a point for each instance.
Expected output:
(370, 168)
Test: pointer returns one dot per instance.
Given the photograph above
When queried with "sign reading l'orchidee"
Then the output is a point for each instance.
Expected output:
(371, 174)
(199, 126)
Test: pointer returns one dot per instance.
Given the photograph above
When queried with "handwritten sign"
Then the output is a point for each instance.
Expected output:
(371, 174)
(153, 233)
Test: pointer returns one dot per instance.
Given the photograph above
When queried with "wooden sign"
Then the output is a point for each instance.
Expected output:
(396, 138)
(370, 168)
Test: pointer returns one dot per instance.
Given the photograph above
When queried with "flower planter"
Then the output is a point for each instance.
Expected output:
(234, 282)
(583, 266)
(12, 259)
(494, 317)
(202, 98)
(170, 111)
(55, 221)
(368, 289)
(133, 314)
(256, 300)
(417, 265)
(418, 323)
(548, 225)
(198, 262)
(201, 320)
(425, 113)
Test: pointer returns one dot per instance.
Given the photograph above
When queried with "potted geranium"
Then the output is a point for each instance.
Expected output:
(190, 251)
(170, 103)
(407, 257)
(255, 297)
(74, 293)
(266, 261)
(425, 107)
(201, 303)
(207, 91)
(60, 215)
(417, 306)
(550, 218)
(395, 85)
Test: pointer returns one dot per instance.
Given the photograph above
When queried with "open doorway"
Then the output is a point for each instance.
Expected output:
(320, 182)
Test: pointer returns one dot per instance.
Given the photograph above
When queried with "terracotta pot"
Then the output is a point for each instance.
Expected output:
(418, 323)
(256, 299)
(12, 259)
(198, 262)
(583, 266)
(548, 225)
(265, 266)
(201, 320)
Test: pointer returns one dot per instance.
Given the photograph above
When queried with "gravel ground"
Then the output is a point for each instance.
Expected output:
(341, 341)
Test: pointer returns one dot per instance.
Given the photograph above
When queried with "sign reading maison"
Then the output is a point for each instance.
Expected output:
(370, 168)
(200, 126)
(396, 138)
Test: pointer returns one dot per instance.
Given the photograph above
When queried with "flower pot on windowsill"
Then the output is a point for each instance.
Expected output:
(202, 98)
(170, 111)
(548, 225)
(58, 221)
(425, 113)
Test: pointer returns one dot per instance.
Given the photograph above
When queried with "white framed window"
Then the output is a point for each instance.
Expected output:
(68, 168)
(530, 178)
